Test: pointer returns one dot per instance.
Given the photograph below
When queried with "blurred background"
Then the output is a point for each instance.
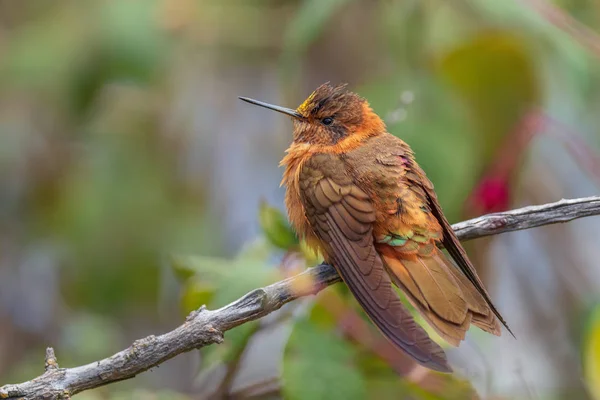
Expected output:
(135, 186)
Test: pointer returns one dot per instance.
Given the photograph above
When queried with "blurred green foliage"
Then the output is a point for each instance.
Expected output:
(591, 351)
(228, 278)
(276, 227)
(329, 362)
(498, 63)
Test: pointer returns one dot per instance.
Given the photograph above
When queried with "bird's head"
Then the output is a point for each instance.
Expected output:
(331, 117)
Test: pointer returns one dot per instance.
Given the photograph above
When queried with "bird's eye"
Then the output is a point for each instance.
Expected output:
(327, 121)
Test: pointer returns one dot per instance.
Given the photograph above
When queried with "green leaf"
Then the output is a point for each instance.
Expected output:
(230, 278)
(311, 256)
(218, 281)
(209, 269)
(327, 360)
(196, 293)
(276, 227)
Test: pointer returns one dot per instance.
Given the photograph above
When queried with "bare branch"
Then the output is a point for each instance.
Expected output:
(205, 327)
(527, 217)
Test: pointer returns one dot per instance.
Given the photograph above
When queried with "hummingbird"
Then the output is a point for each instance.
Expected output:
(355, 193)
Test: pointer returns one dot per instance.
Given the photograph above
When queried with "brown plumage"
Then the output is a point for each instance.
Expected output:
(356, 193)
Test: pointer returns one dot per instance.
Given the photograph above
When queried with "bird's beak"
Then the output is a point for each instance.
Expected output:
(283, 110)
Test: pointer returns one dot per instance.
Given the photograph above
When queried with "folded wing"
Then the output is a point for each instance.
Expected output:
(342, 216)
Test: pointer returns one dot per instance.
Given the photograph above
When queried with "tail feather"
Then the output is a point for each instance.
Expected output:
(446, 299)
(483, 317)
(487, 323)
(450, 332)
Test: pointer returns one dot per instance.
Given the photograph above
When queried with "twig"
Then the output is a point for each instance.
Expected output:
(51, 363)
(527, 217)
(205, 327)
(224, 389)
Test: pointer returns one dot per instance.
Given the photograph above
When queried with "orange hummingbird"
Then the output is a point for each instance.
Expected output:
(356, 193)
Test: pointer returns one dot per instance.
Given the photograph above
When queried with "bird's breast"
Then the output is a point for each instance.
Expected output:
(293, 161)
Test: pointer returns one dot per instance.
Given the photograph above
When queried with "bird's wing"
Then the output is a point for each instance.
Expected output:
(342, 216)
(446, 296)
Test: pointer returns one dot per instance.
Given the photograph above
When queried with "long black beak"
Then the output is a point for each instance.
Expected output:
(283, 110)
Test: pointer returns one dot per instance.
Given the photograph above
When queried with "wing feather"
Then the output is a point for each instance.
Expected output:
(342, 217)
(410, 227)
(457, 252)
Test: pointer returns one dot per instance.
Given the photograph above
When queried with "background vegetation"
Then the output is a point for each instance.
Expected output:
(135, 187)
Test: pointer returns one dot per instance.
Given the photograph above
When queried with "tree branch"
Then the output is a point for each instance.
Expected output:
(205, 327)
(527, 217)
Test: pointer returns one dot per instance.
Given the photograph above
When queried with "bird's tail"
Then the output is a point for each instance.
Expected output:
(446, 299)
